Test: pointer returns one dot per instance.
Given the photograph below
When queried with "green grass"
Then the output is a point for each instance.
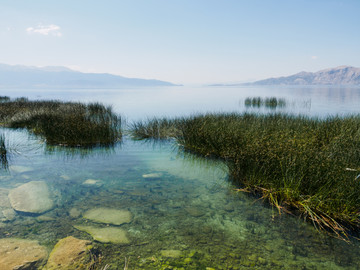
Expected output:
(63, 123)
(301, 165)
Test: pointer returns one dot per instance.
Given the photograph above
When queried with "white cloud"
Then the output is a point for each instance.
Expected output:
(314, 57)
(46, 30)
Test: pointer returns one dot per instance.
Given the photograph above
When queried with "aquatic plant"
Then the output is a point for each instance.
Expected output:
(269, 102)
(3, 153)
(297, 163)
(65, 123)
(4, 98)
(155, 128)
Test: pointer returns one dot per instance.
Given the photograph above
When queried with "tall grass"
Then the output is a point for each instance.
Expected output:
(300, 164)
(65, 123)
(3, 153)
(269, 102)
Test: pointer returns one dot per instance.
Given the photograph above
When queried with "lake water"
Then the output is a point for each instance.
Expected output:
(185, 212)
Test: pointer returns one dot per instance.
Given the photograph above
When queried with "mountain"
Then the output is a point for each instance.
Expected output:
(62, 77)
(343, 75)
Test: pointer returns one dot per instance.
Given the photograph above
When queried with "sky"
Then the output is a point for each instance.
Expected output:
(182, 41)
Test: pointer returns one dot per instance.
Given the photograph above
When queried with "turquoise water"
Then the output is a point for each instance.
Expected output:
(186, 205)
(186, 214)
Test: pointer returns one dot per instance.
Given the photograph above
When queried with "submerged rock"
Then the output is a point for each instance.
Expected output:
(6, 211)
(171, 253)
(9, 214)
(108, 216)
(93, 182)
(194, 212)
(32, 197)
(21, 254)
(152, 175)
(69, 253)
(20, 169)
(106, 235)
(74, 212)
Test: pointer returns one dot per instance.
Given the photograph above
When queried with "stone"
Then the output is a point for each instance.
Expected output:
(65, 177)
(9, 214)
(21, 254)
(194, 212)
(170, 253)
(106, 235)
(4, 200)
(152, 175)
(74, 212)
(20, 169)
(108, 215)
(92, 182)
(44, 218)
(32, 197)
(69, 253)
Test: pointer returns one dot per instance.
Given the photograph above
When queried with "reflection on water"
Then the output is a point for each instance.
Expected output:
(185, 214)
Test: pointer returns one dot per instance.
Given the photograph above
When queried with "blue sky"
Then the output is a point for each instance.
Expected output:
(187, 41)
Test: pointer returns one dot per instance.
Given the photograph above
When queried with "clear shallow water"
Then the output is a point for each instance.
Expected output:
(190, 206)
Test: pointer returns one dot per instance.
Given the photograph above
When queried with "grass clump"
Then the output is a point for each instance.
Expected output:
(65, 123)
(271, 102)
(3, 153)
(155, 129)
(300, 164)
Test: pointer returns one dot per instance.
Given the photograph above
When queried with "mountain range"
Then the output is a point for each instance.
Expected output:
(343, 75)
(62, 77)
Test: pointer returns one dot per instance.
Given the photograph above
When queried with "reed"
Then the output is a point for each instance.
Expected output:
(269, 102)
(302, 165)
(64, 123)
(3, 153)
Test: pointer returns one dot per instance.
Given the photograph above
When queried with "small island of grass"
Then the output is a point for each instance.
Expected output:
(63, 123)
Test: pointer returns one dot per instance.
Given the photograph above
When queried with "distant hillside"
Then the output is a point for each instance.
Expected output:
(343, 75)
(62, 77)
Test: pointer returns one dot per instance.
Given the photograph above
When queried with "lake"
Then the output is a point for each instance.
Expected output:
(184, 211)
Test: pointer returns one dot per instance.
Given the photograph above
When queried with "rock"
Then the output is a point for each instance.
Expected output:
(65, 177)
(4, 200)
(21, 254)
(108, 216)
(20, 169)
(44, 218)
(106, 235)
(152, 175)
(229, 208)
(9, 214)
(32, 197)
(171, 253)
(92, 182)
(194, 212)
(69, 253)
(74, 212)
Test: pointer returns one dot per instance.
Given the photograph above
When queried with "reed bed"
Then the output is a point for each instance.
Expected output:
(63, 123)
(269, 102)
(301, 165)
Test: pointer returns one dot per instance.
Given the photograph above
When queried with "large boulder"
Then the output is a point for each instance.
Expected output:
(108, 215)
(21, 254)
(106, 235)
(32, 197)
(69, 253)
